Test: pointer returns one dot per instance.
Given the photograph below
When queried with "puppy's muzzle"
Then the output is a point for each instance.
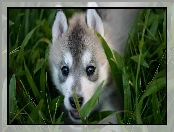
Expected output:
(72, 102)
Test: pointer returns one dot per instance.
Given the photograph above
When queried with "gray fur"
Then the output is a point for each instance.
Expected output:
(117, 22)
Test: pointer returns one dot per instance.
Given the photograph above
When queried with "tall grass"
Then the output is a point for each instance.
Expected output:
(140, 75)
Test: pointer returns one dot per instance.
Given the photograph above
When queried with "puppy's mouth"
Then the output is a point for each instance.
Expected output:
(75, 114)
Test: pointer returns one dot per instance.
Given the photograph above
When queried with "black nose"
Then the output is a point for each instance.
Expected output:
(71, 100)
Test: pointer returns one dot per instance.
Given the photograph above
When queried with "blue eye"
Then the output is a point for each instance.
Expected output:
(90, 70)
(65, 70)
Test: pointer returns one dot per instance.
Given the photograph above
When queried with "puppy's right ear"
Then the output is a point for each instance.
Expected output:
(60, 25)
(94, 21)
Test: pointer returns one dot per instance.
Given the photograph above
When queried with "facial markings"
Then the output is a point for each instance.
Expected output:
(76, 41)
(68, 59)
(67, 92)
(86, 58)
(65, 66)
(90, 66)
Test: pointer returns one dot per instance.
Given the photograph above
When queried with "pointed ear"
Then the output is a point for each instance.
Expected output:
(94, 21)
(60, 25)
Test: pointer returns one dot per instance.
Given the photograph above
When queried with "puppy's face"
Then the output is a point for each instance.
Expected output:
(77, 59)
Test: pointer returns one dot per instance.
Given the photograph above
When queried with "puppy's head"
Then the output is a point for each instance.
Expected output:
(77, 59)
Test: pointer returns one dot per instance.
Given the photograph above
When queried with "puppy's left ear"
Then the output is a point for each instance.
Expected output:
(94, 21)
(60, 25)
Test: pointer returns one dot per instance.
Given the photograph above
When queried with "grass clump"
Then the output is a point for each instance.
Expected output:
(141, 74)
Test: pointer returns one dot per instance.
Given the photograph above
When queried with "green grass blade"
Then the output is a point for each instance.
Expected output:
(88, 107)
(28, 36)
(153, 87)
(58, 100)
(138, 114)
(17, 114)
(156, 109)
(119, 119)
(26, 20)
(127, 94)
(142, 61)
(78, 106)
(54, 104)
(20, 57)
(43, 81)
(12, 96)
(32, 84)
(118, 61)
(159, 49)
(11, 23)
(59, 119)
(39, 65)
(47, 53)
(41, 61)
(17, 41)
(101, 115)
(41, 40)
(20, 73)
(35, 113)
(132, 35)
(160, 74)
(164, 28)
(115, 71)
(154, 26)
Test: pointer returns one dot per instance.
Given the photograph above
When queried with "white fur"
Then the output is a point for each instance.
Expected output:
(88, 88)
(65, 88)
(60, 26)
(94, 21)
(55, 74)
(68, 59)
(86, 58)
(67, 91)
(104, 70)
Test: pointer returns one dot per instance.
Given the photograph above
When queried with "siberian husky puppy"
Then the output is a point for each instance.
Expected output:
(78, 62)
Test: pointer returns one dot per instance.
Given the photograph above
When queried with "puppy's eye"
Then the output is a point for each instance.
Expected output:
(90, 70)
(65, 70)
